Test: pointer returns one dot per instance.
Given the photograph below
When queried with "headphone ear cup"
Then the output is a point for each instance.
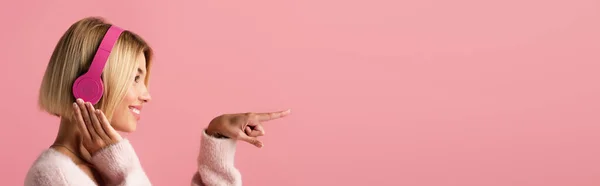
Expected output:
(90, 89)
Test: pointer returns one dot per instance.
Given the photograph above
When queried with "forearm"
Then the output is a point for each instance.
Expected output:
(119, 165)
(216, 163)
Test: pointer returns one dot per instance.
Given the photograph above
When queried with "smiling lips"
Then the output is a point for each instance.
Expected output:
(135, 110)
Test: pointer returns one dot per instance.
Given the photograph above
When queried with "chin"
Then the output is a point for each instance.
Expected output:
(127, 127)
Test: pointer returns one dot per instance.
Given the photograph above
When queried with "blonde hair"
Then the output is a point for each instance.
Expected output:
(72, 57)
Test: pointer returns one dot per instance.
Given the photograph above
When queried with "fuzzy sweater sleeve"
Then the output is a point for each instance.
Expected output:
(121, 167)
(216, 163)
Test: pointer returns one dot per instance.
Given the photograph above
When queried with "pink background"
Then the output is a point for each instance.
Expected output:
(420, 93)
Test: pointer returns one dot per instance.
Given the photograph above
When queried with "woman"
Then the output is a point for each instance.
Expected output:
(96, 82)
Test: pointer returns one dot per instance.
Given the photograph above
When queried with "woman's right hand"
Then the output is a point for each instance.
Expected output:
(95, 129)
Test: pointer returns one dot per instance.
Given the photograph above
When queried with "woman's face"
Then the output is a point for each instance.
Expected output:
(129, 111)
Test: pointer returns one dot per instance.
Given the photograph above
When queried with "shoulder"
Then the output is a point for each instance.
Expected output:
(53, 168)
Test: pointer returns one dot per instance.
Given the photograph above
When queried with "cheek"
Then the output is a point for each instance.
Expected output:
(129, 98)
(122, 116)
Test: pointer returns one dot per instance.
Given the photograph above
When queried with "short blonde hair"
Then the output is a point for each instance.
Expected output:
(72, 57)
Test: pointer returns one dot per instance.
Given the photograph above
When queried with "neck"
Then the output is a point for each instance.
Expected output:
(68, 137)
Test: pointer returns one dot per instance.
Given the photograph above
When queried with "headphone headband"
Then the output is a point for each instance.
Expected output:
(103, 52)
(89, 86)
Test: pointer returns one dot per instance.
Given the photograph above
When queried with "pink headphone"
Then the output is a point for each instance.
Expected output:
(89, 86)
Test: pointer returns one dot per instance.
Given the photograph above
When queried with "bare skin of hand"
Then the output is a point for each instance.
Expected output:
(243, 126)
(96, 131)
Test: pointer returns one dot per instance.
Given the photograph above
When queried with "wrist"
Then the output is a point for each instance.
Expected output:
(214, 133)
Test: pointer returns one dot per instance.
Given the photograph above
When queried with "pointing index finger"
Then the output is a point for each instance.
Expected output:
(272, 115)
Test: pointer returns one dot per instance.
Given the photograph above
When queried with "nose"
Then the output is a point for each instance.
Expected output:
(145, 97)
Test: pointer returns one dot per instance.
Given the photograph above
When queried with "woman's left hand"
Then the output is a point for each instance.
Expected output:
(243, 126)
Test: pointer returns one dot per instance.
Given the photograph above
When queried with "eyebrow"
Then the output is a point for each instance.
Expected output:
(140, 71)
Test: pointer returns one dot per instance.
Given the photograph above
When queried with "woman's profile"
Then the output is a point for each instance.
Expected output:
(96, 82)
